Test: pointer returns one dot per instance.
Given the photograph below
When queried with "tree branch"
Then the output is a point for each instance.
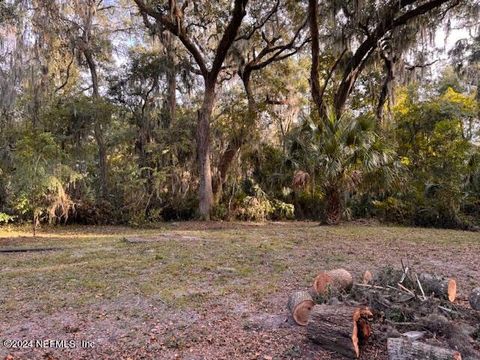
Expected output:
(228, 37)
(176, 29)
(261, 24)
(359, 59)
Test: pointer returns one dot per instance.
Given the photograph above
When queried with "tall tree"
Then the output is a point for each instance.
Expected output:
(367, 26)
(271, 38)
(172, 19)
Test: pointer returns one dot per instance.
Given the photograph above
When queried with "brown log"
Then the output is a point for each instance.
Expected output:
(367, 277)
(340, 328)
(300, 304)
(474, 299)
(440, 286)
(337, 280)
(402, 349)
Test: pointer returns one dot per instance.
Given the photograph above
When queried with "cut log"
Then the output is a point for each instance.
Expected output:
(336, 280)
(340, 328)
(367, 277)
(445, 288)
(300, 304)
(474, 299)
(402, 349)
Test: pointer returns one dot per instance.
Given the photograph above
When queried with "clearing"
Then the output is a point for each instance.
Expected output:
(197, 290)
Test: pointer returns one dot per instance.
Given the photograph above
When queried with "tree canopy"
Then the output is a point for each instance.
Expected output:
(131, 111)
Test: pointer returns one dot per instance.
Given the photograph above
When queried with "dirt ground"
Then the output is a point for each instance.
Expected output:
(195, 290)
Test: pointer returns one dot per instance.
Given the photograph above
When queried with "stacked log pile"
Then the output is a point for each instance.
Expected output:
(413, 315)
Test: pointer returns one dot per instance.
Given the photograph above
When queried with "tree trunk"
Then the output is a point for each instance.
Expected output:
(402, 349)
(171, 81)
(340, 328)
(361, 56)
(203, 151)
(300, 304)
(174, 25)
(97, 129)
(315, 51)
(334, 206)
(102, 158)
(238, 140)
(386, 89)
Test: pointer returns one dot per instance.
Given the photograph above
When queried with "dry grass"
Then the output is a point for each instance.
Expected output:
(98, 282)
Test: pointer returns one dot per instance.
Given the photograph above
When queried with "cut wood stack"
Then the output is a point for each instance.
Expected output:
(340, 324)
(340, 328)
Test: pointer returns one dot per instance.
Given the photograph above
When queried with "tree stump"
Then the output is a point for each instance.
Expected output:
(474, 299)
(442, 287)
(300, 304)
(337, 279)
(402, 349)
(340, 328)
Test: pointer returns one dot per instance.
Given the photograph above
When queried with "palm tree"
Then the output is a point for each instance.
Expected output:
(341, 151)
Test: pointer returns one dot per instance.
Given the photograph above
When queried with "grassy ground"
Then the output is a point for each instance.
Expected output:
(196, 290)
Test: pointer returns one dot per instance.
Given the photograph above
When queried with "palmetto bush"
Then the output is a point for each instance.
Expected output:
(341, 152)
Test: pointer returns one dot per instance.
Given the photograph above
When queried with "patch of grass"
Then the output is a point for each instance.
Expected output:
(192, 266)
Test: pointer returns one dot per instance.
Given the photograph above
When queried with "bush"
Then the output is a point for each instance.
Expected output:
(252, 208)
(282, 211)
(393, 210)
(254, 205)
(309, 205)
(5, 218)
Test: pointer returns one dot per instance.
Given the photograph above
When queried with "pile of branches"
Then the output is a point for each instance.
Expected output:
(414, 315)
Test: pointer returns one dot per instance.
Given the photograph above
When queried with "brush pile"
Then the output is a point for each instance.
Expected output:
(413, 315)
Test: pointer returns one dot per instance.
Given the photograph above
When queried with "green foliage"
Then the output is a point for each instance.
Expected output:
(281, 210)
(40, 178)
(126, 152)
(341, 153)
(393, 210)
(433, 146)
(5, 218)
(253, 204)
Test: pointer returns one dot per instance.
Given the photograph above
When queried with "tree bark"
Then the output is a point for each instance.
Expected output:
(315, 50)
(442, 287)
(171, 82)
(386, 89)
(97, 129)
(238, 140)
(333, 205)
(474, 299)
(402, 349)
(203, 151)
(340, 328)
(174, 24)
(333, 280)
